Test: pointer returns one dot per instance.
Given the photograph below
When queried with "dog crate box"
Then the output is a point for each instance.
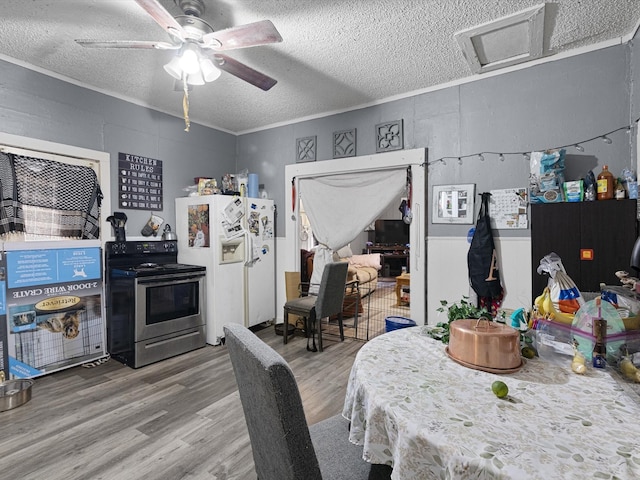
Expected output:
(53, 306)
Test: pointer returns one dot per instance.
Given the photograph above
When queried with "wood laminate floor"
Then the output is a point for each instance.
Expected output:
(177, 419)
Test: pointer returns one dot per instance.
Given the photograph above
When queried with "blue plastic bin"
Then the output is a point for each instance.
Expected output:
(394, 323)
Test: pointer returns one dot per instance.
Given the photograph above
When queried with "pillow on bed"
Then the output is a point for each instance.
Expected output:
(368, 260)
(343, 252)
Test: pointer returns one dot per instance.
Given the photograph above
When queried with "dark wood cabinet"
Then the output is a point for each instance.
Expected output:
(392, 258)
(593, 239)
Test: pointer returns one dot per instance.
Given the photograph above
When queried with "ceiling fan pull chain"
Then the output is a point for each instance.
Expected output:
(185, 103)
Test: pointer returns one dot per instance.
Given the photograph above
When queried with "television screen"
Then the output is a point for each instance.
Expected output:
(391, 232)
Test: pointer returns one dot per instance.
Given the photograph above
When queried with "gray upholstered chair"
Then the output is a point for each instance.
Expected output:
(284, 447)
(326, 303)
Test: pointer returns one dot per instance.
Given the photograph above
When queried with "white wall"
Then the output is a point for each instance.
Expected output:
(447, 273)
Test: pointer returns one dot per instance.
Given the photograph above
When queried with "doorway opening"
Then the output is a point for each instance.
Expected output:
(392, 297)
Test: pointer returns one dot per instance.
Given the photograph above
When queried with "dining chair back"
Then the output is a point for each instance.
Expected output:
(326, 303)
(284, 446)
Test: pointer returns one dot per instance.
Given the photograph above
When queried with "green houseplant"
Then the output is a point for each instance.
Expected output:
(457, 311)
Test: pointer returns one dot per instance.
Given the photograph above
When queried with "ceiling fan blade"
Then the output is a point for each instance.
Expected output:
(242, 36)
(244, 72)
(162, 17)
(127, 44)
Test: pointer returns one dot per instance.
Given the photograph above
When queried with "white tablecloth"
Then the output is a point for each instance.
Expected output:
(414, 408)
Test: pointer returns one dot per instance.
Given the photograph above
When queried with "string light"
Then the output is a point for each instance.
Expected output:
(578, 146)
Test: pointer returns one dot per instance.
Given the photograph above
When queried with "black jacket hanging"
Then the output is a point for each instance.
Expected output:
(484, 275)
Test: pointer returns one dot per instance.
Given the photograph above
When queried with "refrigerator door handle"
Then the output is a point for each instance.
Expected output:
(247, 249)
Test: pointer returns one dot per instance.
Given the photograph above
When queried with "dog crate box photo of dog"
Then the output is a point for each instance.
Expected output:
(45, 342)
(52, 300)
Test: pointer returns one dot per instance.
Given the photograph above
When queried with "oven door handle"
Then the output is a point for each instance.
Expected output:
(169, 280)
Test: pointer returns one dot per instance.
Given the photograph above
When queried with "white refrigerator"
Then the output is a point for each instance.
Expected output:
(234, 238)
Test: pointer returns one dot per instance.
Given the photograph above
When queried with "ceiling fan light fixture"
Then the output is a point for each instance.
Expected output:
(189, 60)
(195, 78)
(209, 71)
(173, 68)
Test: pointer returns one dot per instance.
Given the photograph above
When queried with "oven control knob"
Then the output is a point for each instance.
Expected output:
(117, 248)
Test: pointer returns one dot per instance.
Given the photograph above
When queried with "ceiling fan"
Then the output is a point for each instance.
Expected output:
(199, 47)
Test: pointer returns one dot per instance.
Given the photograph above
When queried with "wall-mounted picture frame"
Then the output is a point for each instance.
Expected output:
(453, 203)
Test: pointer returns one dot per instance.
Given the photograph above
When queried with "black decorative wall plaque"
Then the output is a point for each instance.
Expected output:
(139, 182)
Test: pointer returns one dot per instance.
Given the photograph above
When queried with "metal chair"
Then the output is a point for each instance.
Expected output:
(327, 302)
(284, 446)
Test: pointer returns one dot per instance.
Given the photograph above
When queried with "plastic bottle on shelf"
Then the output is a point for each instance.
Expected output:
(599, 354)
(621, 193)
(605, 184)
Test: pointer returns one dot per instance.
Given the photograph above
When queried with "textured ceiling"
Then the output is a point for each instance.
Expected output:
(335, 55)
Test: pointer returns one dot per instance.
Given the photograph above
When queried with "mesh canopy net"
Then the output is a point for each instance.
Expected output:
(47, 198)
(11, 218)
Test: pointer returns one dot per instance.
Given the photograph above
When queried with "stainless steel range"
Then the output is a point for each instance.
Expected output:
(154, 305)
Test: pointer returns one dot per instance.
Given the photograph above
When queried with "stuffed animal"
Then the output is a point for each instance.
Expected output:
(627, 281)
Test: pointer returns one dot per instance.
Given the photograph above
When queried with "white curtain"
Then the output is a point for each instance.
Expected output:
(341, 206)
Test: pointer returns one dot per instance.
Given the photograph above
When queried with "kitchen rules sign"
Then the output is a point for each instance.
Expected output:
(139, 182)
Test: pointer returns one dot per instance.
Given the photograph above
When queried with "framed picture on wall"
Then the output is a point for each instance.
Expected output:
(453, 203)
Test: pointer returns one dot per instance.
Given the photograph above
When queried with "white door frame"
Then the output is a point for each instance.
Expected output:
(417, 236)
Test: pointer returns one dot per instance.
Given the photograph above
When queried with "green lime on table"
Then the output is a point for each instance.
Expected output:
(500, 389)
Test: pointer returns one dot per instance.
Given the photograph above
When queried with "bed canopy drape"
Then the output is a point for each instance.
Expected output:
(341, 206)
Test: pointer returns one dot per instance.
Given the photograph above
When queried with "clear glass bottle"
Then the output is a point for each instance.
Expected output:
(605, 184)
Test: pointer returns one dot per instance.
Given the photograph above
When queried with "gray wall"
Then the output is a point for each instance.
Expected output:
(38, 106)
(549, 105)
(634, 87)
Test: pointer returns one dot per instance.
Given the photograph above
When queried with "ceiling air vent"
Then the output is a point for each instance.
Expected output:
(507, 41)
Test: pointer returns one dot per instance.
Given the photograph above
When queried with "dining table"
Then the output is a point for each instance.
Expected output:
(414, 408)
